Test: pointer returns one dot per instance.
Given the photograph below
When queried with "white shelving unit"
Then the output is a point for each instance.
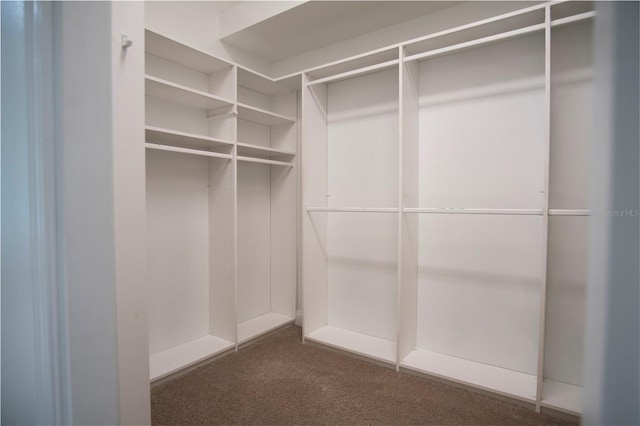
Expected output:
(220, 209)
(445, 279)
(351, 163)
(267, 139)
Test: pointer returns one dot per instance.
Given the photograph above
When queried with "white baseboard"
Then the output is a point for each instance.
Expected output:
(299, 318)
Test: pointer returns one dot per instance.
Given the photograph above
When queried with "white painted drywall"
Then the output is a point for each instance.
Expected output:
(612, 382)
(35, 376)
(244, 14)
(418, 27)
(362, 138)
(197, 24)
(254, 240)
(481, 146)
(177, 248)
(571, 109)
(127, 70)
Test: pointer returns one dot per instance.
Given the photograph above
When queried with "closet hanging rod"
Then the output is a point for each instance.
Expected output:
(574, 18)
(569, 212)
(353, 209)
(477, 42)
(356, 72)
(509, 212)
(186, 150)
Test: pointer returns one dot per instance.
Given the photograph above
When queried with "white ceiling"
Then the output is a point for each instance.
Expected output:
(317, 24)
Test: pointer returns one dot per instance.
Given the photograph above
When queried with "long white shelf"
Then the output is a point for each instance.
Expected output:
(505, 382)
(172, 92)
(575, 18)
(357, 343)
(183, 139)
(264, 161)
(164, 363)
(477, 42)
(187, 151)
(562, 397)
(263, 151)
(260, 325)
(357, 72)
(257, 115)
(179, 53)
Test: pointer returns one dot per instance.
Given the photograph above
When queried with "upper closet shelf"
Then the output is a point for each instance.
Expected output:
(261, 151)
(163, 89)
(377, 60)
(357, 72)
(182, 54)
(183, 139)
(257, 115)
(502, 27)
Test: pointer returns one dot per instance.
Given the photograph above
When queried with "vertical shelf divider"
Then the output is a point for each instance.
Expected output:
(314, 225)
(545, 206)
(407, 197)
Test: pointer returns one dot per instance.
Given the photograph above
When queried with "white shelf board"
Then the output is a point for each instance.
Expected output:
(358, 343)
(357, 72)
(185, 355)
(188, 151)
(172, 92)
(263, 161)
(476, 30)
(179, 53)
(387, 54)
(509, 383)
(475, 42)
(262, 324)
(183, 139)
(257, 115)
(248, 149)
(562, 397)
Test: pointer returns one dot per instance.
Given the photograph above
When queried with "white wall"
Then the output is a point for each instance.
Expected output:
(362, 132)
(420, 26)
(254, 240)
(35, 375)
(197, 24)
(177, 248)
(612, 385)
(571, 103)
(81, 355)
(87, 209)
(481, 146)
(127, 109)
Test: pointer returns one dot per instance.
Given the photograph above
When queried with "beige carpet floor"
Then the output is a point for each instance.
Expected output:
(280, 381)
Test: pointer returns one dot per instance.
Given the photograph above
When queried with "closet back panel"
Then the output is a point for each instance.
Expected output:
(479, 288)
(254, 133)
(177, 248)
(254, 240)
(362, 135)
(566, 297)
(571, 105)
(362, 139)
(169, 115)
(482, 121)
(176, 73)
(481, 142)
